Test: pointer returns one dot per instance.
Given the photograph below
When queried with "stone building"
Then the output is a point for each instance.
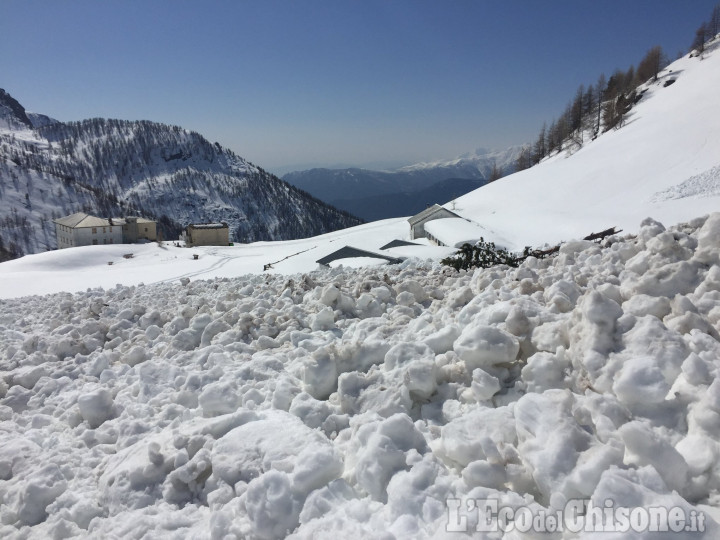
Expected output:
(206, 234)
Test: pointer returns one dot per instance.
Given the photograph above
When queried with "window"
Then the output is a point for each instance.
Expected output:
(94, 230)
(103, 230)
(145, 229)
(94, 242)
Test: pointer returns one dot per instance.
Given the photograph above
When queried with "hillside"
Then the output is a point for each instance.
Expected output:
(663, 162)
(114, 168)
(355, 190)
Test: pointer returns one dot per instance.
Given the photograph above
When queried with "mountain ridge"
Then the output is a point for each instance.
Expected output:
(351, 188)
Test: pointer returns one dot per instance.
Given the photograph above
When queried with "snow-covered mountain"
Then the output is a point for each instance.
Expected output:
(355, 190)
(477, 164)
(115, 167)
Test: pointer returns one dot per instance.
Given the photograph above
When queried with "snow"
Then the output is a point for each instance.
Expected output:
(360, 401)
(76, 269)
(455, 232)
(662, 163)
(165, 396)
(482, 160)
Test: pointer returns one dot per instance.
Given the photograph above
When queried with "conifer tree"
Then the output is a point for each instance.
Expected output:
(713, 26)
(540, 148)
(495, 172)
(650, 65)
(698, 43)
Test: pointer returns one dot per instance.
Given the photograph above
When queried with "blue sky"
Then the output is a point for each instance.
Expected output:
(316, 82)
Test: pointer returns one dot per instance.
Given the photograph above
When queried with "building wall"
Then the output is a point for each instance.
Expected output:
(208, 237)
(64, 236)
(87, 236)
(418, 230)
(90, 236)
(133, 231)
(433, 239)
(147, 231)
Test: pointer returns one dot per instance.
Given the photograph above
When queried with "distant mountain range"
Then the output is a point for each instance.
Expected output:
(382, 194)
(408, 203)
(115, 168)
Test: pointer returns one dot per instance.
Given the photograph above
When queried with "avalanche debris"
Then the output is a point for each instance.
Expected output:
(350, 403)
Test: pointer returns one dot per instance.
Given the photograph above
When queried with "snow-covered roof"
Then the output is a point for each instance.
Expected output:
(427, 213)
(138, 219)
(130, 219)
(208, 225)
(81, 220)
(455, 231)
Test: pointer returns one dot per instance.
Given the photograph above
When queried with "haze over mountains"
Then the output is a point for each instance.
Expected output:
(373, 195)
(115, 168)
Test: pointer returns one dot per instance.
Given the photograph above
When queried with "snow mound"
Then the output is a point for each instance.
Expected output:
(368, 402)
(706, 184)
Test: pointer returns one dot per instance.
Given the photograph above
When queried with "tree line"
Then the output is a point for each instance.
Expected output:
(603, 105)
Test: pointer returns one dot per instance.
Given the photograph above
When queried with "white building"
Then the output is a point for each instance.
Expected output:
(418, 221)
(81, 229)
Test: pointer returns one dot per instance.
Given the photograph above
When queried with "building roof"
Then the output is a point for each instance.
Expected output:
(352, 252)
(429, 211)
(397, 243)
(455, 232)
(208, 225)
(80, 220)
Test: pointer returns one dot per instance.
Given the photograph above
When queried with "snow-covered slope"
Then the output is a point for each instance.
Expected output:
(663, 162)
(375, 403)
(76, 269)
(115, 168)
